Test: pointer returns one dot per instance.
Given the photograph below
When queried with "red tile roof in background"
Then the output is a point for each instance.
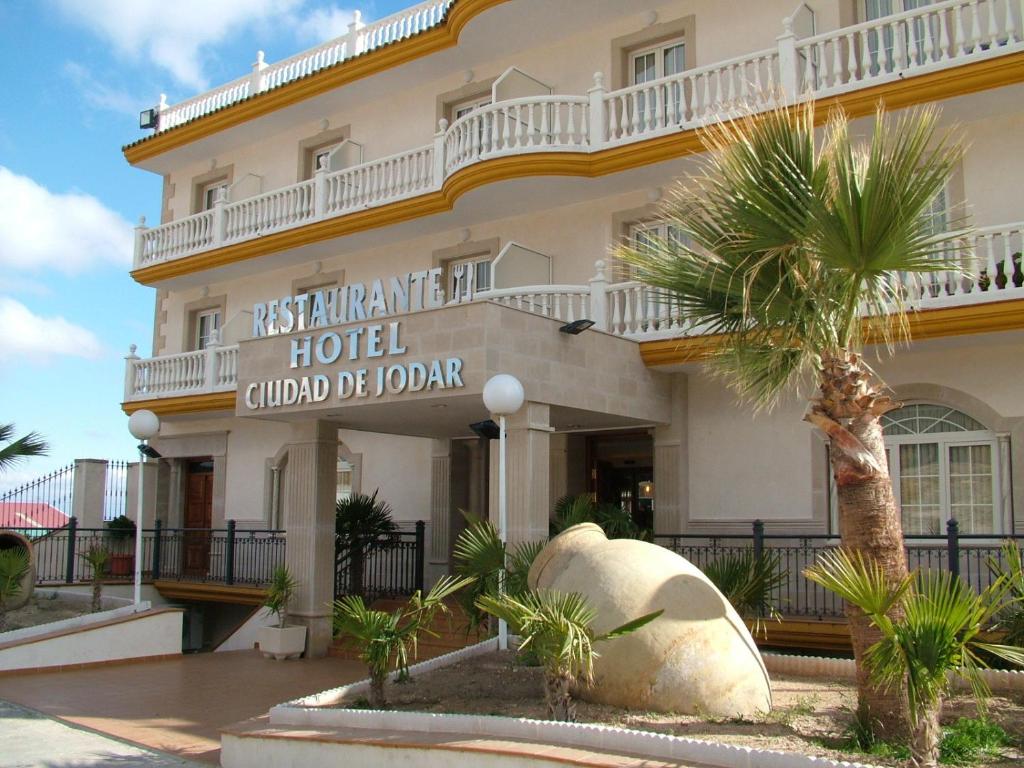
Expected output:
(31, 514)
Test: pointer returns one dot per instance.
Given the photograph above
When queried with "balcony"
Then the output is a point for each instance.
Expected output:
(926, 40)
(991, 260)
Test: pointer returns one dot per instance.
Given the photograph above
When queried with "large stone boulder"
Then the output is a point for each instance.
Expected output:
(697, 658)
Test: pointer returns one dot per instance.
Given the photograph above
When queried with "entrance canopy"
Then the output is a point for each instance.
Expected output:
(423, 373)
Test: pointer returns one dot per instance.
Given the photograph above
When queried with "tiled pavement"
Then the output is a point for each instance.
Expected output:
(177, 706)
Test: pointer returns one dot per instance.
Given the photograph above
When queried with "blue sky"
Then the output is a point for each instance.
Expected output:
(73, 79)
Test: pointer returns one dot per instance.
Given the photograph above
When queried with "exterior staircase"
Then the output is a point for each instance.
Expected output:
(451, 631)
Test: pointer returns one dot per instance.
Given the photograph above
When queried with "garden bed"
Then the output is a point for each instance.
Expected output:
(45, 609)
(810, 716)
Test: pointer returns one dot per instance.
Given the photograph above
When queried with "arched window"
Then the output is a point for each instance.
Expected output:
(943, 464)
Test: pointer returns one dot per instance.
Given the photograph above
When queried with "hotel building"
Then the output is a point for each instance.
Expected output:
(353, 240)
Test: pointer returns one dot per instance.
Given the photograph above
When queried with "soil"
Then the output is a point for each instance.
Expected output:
(810, 716)
(43, 610)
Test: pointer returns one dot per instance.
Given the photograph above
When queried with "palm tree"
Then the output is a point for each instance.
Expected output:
(480, 554)
(22, 448)
(792, 251)
(935, 638)
(388, 641)
(748, 581)
(558, 628)
(1010, 567)
(14, 564)
(98, 559)
(279, 593)
(361, 524)
(616, 522)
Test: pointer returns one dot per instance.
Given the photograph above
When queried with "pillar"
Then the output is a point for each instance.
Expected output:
(559, 468)
(440, 499)
(150, 491)
(672, 465)
(308, 502)
(529, 471)
(89, 492)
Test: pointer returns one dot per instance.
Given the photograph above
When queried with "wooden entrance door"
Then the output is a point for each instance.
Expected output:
(198, 519)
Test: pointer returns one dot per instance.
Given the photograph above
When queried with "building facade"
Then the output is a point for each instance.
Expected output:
(354, 240)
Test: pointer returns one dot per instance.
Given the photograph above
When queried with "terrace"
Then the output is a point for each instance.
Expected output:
(932, 39)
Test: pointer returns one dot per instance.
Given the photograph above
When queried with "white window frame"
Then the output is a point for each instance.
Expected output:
(208, 193)
(659, 58)
(202, 342)
(344, 467)
(463, 108)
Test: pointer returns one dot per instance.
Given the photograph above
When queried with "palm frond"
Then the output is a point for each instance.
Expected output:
(18, 450)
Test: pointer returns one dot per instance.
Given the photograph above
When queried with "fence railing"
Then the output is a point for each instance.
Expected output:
(936, 36)
(387, 566)
(224, 556)
(796, 596)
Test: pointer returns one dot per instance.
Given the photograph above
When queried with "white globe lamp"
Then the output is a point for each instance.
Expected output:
(503, 396)
(144, 425)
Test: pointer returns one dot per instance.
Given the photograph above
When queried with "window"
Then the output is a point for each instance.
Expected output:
(344, 480)
(207, 326)
(877, 9)
(317, 156)
(463, 108)
(211, 192)
(648, 234)
(944, 464)
(476, 269)
(660, 61)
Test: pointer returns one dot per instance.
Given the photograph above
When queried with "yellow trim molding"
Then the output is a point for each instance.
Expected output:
(990, 73)
(214, 593)
(930, 324)
(172, 406)
(433, 40)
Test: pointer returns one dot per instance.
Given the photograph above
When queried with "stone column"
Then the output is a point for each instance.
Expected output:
(149, 491)
(672, 465)
(559, 468)
(529, 472)
(440, 499)
(89, 492)
(308, 501)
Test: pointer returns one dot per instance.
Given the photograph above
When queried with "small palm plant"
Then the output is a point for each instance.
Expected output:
(1011, 618)
(98, 559)
(748, 581)
(361, 523)
(480, 554)
(936, 638)
(279, 593)
(14, 564)
(616, 522)
(387, 641)
(558, 628)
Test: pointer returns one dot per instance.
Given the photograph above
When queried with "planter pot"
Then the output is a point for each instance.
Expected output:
(282, 642)
(122, 565)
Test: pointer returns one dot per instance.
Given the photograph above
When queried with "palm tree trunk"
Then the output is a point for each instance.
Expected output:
(97, 595)
(558, 697)
(377, 700)
(924, 744)
(848, 409)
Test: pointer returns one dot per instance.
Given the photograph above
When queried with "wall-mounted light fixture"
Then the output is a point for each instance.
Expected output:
(576, 327)
(487, 429)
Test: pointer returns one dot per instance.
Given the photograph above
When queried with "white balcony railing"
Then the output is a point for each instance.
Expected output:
(991, 271)
(933, 37)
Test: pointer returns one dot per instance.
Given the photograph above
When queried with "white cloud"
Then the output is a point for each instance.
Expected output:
(102, 95)
(322, 24)
(67, 232)
(26, 335)
(175, 35)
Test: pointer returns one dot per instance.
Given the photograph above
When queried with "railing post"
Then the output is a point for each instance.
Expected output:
(140, 242)
(69, 569)
(758, 540)
(599, 297)
(598, 117)
(789, 69)
(953, 545)
(229, 554)
(256, 84)
(355, 41)
(439, 162)
(129, 372)
(160, 109)
(219, 223)
(210, 373)
(158, 532)
(320, 189)
(421, 528)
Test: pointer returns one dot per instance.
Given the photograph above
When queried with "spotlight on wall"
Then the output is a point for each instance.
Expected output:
(150, 451)
(486, 429)
(576, 327)
(149, 118)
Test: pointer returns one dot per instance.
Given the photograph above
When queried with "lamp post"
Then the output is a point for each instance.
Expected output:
(143, 425)
(503, 396)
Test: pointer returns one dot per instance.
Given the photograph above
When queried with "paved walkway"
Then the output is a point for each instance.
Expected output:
(177, 706)
(32, 740)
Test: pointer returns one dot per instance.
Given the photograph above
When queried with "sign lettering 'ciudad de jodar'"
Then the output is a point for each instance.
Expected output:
(358, 345)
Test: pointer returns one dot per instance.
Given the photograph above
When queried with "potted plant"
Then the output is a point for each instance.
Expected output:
(121, 533)
(281, 642)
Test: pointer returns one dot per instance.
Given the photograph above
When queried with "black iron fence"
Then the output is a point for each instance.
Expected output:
(225, 555)
(796, 596)
(54, 490)
(385, 566)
